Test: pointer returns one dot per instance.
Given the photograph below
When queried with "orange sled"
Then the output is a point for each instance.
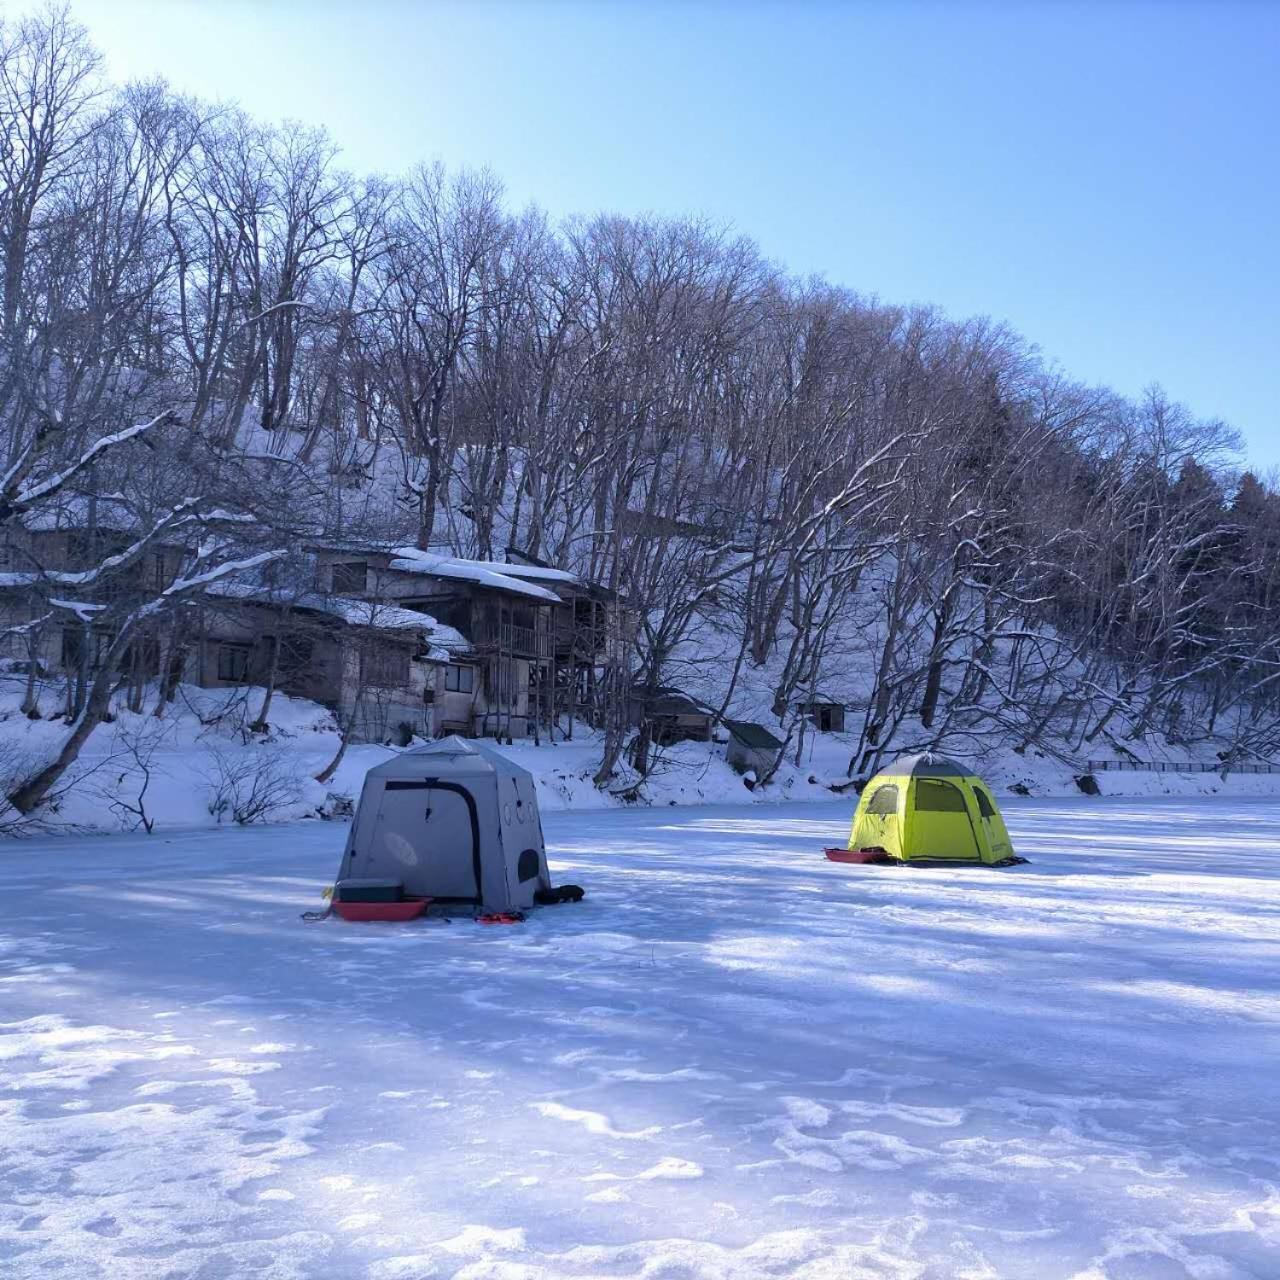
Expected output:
(877, 856)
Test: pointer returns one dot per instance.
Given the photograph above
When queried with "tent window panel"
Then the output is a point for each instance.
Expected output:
(985, 807)
(884, 801)
(527, 867)
(933, 796)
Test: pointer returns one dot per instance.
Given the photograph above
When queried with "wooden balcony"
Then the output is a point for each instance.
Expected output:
(521, 642)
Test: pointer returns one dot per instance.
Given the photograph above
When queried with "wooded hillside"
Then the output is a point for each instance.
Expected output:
(207, 323)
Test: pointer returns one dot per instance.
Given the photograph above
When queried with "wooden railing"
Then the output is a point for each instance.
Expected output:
(524, 642)
(1176, 766)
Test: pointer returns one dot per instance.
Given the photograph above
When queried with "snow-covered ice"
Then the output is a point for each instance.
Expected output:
(733, 1060)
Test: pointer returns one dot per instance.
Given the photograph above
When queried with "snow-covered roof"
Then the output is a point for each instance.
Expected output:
(370, 614)
(492, 574)
(535, 571)
(373, 613)
(75, 511)
(753, 735)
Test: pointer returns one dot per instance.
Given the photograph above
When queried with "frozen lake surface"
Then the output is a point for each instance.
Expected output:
(733, 1060)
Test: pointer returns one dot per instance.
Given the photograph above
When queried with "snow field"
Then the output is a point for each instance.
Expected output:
(733, 1060)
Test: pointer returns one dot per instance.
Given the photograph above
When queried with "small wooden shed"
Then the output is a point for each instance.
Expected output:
(752, 746)
(825, 716)
(675, 716)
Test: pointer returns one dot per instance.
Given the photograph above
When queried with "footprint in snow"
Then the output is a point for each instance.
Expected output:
(234, 1067)
(609, 1195)
(627, 1075)
(591, 1121)
(668, 1168)
(929, 1117)
(359, 1221)
(821, 1198)
(671, 1167)
(806, 1112)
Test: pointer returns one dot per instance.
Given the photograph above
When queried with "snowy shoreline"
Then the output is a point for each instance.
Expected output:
(199, 767)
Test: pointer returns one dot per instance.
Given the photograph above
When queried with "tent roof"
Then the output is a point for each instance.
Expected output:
(445, 756)
(925, 765)
(753, 735)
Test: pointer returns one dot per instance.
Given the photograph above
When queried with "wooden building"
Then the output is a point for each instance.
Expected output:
(825, 715)
(752, 746)
(529, 644)
(404, 641)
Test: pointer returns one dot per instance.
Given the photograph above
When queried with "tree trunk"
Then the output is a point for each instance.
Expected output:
(260, 724)
(427, 507)
(34, 790)
(933, 680)
(331, 768)
(30, 698)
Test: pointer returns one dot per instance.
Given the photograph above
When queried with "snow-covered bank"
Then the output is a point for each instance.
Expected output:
(732, 1061)
(201, 766)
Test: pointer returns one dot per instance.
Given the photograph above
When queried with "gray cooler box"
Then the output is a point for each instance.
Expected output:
(369, 891)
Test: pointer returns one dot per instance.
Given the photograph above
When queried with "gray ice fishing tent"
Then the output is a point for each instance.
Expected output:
(454, 821)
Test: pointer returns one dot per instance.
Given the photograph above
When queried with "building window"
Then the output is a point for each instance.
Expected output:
(350, 579)
(458, 679)
(233, 663)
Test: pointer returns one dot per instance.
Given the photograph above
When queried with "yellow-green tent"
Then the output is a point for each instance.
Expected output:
(926, 808)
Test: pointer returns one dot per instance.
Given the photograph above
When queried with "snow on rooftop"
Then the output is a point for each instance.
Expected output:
(356, 613)
(111, 514)
(495, 575)
(372, 613)
(535, 571)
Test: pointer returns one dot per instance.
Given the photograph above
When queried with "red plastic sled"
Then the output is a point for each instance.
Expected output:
(406, 909)
(858, 855)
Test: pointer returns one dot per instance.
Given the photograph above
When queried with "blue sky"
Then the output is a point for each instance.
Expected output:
(1105, 177)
